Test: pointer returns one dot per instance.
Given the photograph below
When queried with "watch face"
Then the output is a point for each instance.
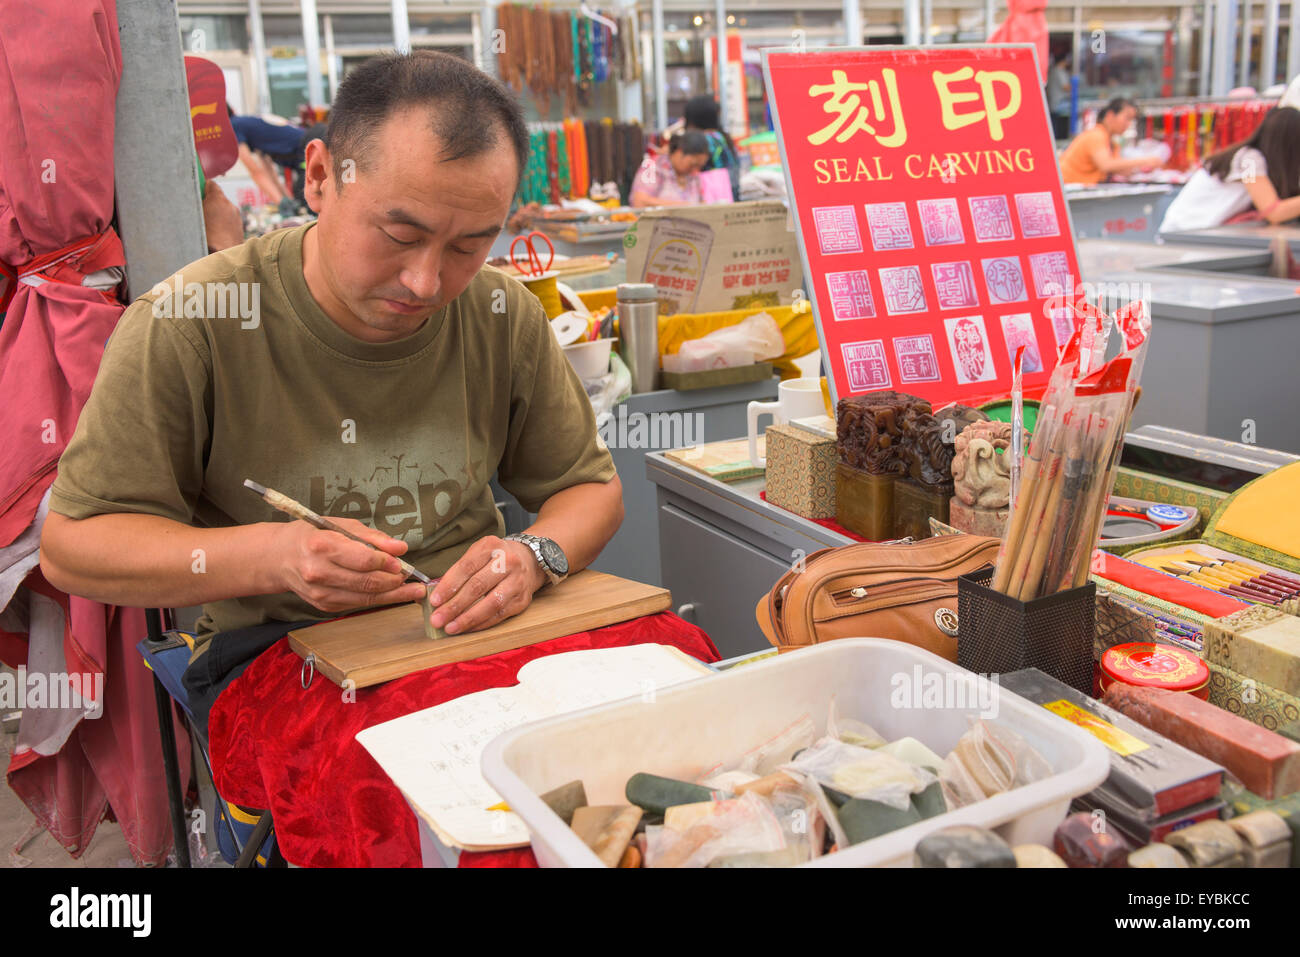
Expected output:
(554, 557)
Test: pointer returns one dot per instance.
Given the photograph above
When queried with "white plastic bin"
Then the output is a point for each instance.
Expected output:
(690, 728)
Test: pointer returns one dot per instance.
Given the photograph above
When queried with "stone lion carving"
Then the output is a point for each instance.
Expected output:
(981, 467)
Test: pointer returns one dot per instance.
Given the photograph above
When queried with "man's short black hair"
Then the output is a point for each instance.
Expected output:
(1116, 106)
(468, 110)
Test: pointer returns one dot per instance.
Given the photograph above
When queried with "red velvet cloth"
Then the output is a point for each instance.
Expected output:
(1139, 577)
(274, 745)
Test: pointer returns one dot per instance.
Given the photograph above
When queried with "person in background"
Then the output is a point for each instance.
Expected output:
(701, 114)
(263, 146)
(1261, 173)
(672, 179)
(1093, 156)
(223, 224)
(1058, 97)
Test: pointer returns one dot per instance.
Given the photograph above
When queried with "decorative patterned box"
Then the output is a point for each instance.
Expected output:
(1258, 522)
(1262, 642)
(801, 471)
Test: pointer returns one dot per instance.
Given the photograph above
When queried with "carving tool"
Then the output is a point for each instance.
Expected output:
(284, 503)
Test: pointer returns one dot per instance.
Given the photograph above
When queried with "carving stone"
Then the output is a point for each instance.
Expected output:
(869, 430)
(981, 466)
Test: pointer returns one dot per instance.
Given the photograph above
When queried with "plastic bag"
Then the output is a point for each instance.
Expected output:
(801, 822)
(744, 825)
(754, 339)
(776, 751)
(850, 730)
(862, 773)
(1143, 148)
(609, 390)
(913, 752)
(727, 780)
(989, 759)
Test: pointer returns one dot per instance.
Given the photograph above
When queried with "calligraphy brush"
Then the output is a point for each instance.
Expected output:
(1255, 592)
(1243, 569)
(1230, 575)
(284, 503)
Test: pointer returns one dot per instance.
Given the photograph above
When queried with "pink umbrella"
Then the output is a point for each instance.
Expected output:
(1026, 23)
(61, 64)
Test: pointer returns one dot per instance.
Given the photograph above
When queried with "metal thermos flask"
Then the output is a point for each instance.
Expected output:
(638, 323)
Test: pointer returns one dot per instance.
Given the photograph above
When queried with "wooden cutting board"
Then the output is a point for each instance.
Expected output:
(382, 645)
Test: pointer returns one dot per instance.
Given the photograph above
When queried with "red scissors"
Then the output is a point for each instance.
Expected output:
(532, 266)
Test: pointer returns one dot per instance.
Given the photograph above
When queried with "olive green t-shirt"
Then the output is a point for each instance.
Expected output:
(231, 371)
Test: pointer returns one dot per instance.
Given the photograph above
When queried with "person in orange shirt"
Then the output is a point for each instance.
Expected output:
(1092, 157)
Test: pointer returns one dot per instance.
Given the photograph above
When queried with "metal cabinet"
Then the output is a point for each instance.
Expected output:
(1119, 210)
(722, 547)
(1250, 235)
(1222, 360)
(716, 579)
(700, 415)
(1099, 259)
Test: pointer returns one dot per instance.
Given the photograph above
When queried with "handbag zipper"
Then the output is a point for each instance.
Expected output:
(915, 596)
(850, 596)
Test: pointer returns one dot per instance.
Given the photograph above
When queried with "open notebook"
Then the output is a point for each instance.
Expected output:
(433, 755)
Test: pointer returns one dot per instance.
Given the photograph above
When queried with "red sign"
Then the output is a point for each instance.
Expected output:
(934, 230)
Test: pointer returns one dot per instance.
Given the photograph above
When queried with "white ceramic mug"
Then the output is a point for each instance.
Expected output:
(796, 399)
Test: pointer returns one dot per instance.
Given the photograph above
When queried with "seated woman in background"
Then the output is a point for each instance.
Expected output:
(1260, 173)
(1093, 157)
(701, 113)
(672, 179)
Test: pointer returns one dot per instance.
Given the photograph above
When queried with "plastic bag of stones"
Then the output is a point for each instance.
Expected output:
(989, 759)
(780, 829)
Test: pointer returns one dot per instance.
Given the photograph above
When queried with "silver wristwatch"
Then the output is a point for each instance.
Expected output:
(549, 555)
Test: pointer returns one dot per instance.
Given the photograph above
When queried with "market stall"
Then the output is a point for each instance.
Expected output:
(1023, 512)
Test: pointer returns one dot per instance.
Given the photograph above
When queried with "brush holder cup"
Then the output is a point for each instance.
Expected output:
(999, 634)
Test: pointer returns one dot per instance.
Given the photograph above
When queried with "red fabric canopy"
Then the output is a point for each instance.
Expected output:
(1026, 23)
(274, 745)
(61, 64)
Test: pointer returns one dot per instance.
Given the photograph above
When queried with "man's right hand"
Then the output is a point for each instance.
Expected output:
(336, 574)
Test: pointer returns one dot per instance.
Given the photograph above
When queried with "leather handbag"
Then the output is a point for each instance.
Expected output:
(904, 591)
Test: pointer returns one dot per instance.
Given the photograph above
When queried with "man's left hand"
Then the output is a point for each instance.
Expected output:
(493, 581)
